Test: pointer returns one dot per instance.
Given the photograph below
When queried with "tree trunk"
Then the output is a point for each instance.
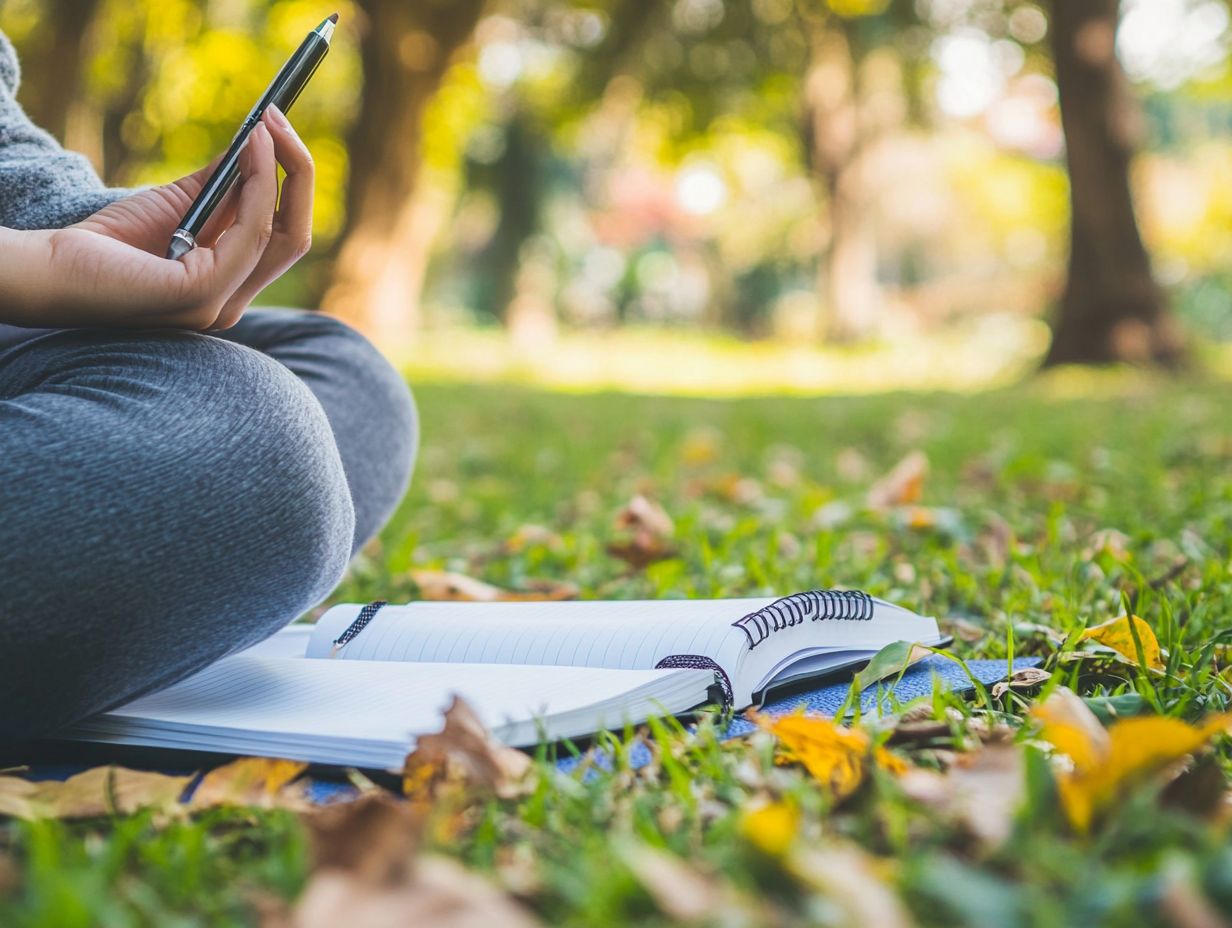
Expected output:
(1111, 309)
(848, 269)
(382, 252)
(53, 64)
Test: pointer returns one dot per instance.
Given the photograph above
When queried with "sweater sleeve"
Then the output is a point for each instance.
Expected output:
(42, 186)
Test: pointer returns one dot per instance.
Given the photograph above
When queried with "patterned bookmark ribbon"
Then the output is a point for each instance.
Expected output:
(365, 616)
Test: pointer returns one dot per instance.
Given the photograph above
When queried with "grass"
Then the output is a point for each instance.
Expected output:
(1053, 504)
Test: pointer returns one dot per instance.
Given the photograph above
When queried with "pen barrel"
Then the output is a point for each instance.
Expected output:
(282, 91)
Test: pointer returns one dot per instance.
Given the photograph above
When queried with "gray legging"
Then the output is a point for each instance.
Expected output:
(169, 497)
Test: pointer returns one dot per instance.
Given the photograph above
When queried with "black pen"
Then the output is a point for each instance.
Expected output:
(281, 92)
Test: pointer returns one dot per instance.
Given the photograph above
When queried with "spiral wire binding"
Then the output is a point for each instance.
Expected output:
(813, 605)
(701, 662)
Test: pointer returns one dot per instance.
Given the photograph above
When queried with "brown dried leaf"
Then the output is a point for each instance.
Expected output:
(902, 486)
(642, 513)
(440, 893)
(264, 782)
(981, 792)
(444, 586)
(373, 838)
(641, 550)
(1020, 681)
(647, 531)
(530, 535)
(463, 755)
(93, 793)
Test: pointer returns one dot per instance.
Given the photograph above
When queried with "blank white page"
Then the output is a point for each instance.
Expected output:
(627, 634)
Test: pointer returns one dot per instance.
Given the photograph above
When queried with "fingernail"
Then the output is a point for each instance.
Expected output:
(278, 116)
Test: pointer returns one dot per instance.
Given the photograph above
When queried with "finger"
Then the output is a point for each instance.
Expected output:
(294, 216)
(240, 248)
(292, 232)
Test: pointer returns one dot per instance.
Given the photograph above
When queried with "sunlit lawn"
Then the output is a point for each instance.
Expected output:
(1048, 504)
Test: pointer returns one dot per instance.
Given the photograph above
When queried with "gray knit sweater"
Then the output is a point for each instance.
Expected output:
(42, 186)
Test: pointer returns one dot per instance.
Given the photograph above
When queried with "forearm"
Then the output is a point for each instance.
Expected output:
(25, 275)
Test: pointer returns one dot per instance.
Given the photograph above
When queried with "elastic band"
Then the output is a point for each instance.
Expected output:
(360, 623)
(701, 662)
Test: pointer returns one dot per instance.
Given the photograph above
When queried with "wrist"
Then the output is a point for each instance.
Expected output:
(25, 275)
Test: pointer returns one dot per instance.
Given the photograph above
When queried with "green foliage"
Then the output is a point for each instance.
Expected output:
(1072, 500)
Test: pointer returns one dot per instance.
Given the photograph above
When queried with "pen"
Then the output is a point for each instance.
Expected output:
(281, 92)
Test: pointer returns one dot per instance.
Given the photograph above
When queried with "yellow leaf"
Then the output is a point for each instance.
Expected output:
(1117, 634)
(903, 485)
(92, 793)
(836, 756)
(251, 781)
(888, 760)
(772, 827)
(1072, 728)
(1108, 762)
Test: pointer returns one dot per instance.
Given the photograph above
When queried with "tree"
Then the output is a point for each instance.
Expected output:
(406, 48)
(1111, 308)
(53, 62)
(821, 46)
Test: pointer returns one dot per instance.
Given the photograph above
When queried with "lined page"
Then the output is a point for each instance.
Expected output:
(357, 712)
(631, 635)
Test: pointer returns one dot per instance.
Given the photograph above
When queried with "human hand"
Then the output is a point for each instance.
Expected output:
(109, 269)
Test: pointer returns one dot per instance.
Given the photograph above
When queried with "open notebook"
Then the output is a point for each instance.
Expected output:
(361, 685)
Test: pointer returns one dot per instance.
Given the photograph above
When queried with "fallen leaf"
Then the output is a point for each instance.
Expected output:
(527, 536)
(93, 793)
(441, 893)
(700, 446)
(903, 485)
(263, 782)
(1201, 790)
(1026, 678)
(444, 586)
(646, 533)
(374, 837)
(890, 661)
(1107, 761)
(771, 827)
(836, 756)
(962, 629)
(1072, 728)
(854, 882)
(464, 755)
(1118, 634)
(365, 874)
(981, 792)
(642, 513)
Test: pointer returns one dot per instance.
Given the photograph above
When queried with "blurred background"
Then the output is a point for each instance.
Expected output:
(708, 196)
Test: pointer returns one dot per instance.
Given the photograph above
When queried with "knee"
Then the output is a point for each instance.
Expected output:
(262, 463)
(235, 487)
(369, 405)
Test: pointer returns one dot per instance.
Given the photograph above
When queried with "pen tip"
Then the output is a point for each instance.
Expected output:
(333, 18)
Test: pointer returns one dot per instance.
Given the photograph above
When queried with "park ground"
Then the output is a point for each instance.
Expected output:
(1049, 505)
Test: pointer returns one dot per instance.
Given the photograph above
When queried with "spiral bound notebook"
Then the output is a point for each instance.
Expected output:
(361, 685)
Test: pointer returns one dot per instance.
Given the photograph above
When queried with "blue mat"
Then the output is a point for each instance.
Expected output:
(919, 680)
